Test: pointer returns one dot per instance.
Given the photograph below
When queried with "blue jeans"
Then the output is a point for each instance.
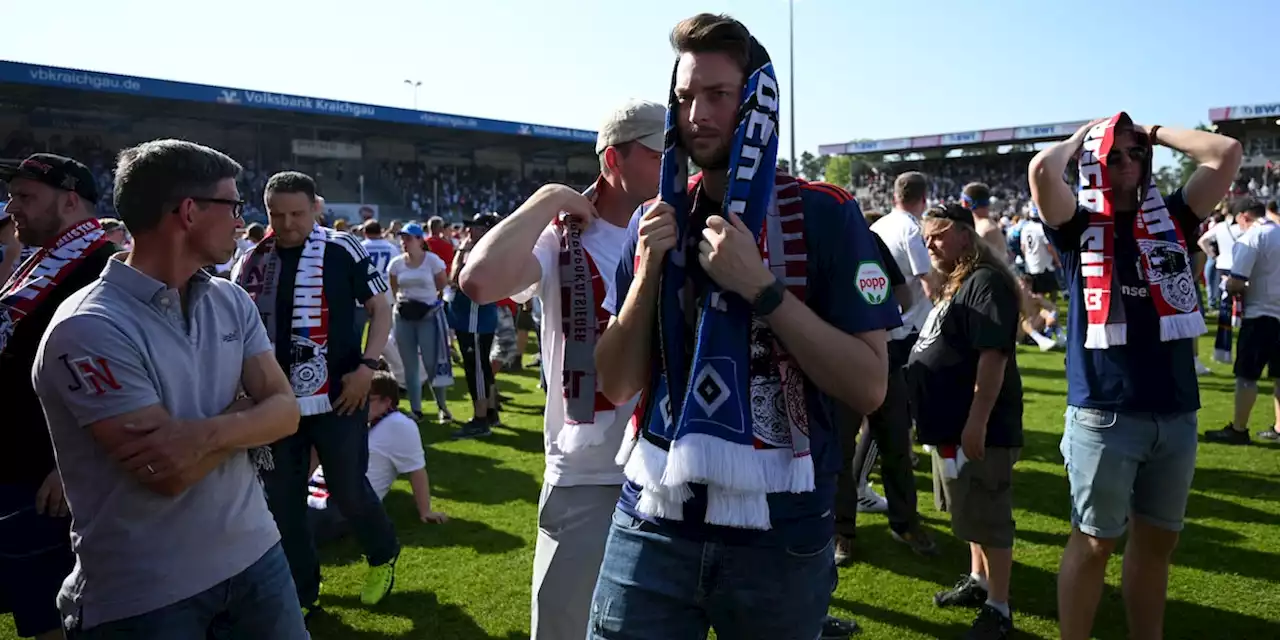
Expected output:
(1211, 281)
(342, 443)
(260, 602)
(416, 338)
(654, 586)
(1122, 463)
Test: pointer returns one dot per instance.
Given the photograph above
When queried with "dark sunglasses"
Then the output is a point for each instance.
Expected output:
(1136, 154)
(237, 206)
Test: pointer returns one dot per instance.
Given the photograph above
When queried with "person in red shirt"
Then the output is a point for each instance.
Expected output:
(437, 242)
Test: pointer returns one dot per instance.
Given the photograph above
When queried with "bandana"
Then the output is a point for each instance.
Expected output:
(587, 412)
(259, 274)
(41, 273)
(1164, 261)
(732, 414)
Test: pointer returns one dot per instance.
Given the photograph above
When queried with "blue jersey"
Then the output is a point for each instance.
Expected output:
(839, 245)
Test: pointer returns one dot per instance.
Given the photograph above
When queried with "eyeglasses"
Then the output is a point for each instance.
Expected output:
(1136, 154)
(237, 206)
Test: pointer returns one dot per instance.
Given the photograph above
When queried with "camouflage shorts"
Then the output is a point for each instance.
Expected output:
(504, 339)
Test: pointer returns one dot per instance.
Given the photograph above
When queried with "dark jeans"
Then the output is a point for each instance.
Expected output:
(475, 349)
(655, 586)
(888, 434)
(342, 442)
(35, 556)
(259, 602)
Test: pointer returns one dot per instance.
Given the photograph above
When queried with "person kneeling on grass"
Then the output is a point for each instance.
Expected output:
(395, 448)
(965, 357)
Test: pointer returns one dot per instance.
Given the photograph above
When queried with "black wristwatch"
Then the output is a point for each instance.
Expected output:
(371, 363)
(770, 299)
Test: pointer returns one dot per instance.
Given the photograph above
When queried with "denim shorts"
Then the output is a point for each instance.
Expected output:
(1122, 463)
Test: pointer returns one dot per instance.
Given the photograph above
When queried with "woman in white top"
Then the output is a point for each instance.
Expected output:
(417, 280)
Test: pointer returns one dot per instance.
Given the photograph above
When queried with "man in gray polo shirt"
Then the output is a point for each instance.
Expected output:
(139, 375)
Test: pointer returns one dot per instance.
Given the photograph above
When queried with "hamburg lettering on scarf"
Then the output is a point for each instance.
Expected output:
(41, 273)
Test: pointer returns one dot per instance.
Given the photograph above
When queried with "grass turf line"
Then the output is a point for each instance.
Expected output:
(470, 579)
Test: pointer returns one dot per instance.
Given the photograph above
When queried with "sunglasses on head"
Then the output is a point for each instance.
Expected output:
(1136, 154)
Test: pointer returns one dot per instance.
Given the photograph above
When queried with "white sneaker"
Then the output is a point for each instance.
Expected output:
(1201, 369)
(871, 502)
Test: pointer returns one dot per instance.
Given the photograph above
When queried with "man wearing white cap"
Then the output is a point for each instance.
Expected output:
(565, 245)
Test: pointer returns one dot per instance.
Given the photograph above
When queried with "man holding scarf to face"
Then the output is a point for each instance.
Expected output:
(1132, 394)
(747, 303)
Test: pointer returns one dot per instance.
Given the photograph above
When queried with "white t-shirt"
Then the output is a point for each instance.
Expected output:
(1256, 256)
(1225, 234)
(592, 465)
(901, 233)
(416, 283)
(1037, 257)
(381, 251)
(395, 448)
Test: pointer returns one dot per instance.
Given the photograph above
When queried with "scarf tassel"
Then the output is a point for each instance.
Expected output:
(578, 436)
(1181, 326)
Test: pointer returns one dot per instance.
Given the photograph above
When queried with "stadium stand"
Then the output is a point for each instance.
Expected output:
(401, 163)
(1257, 127)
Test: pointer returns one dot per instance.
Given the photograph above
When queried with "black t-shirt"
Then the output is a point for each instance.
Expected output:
(943, 367)
(26, 453)
(350, 279)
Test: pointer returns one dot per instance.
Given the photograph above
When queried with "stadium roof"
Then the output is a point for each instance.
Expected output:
(1009, 135)
(41, 75)
(1246, 112)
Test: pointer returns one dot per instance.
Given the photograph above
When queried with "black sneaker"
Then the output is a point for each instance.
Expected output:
(990, 625)
(1269, 435)
(1227, 435)
(494, 420)
(966, 593)
(476, 428)
(834, 628)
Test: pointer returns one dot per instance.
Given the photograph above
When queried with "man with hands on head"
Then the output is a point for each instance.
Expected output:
(525, 253)
(139, 375)
(1132, 395)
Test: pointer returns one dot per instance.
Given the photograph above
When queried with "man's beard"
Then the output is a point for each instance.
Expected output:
(40, 229)
(716, 161)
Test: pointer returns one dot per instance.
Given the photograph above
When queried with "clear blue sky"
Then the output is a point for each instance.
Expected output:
(866, 69)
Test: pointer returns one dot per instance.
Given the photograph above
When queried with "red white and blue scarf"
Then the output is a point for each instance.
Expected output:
(259, 274)
(41, 273)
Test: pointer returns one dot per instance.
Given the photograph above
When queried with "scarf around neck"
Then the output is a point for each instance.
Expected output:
(259, 274)
(43, 271)
(731, 414)
(1165, 263)
(588, 413)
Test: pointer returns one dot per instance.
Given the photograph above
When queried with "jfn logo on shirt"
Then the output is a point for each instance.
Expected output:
(873, 284)
(93, 375)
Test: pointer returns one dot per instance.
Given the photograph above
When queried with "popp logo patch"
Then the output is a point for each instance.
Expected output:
(873, 284)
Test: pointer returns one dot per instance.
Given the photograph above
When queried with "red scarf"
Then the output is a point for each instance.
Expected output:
(41, 273)
(1164, 260)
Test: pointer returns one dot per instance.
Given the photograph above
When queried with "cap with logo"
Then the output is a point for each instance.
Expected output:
(640, 121)
(59, 172)
(413, 229)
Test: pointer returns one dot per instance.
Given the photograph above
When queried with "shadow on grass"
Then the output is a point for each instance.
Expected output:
(1034, 591)
(414, 534)
(1242, 484)
(428, 616)
(898, 619)
(467, 477)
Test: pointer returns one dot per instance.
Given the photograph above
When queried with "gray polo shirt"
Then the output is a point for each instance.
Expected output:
(119, 345)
